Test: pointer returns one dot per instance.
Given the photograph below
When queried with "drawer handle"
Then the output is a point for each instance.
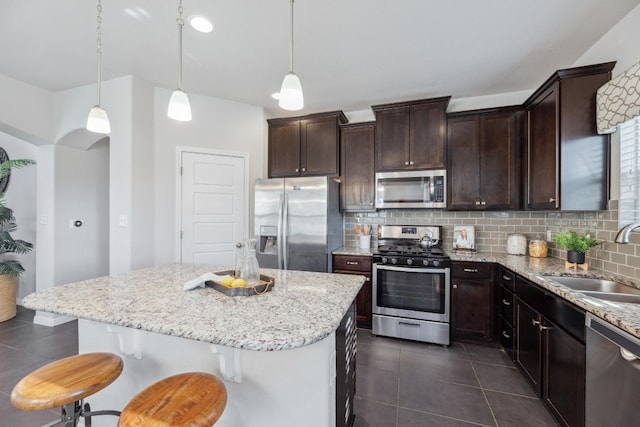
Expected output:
(539, 325)
(412, 325)
(506, 335)
(507, 278)
(352, 262)
(505, 302)
(367, 279)
(470, 270)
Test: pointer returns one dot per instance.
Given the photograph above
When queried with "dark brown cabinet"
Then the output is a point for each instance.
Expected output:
(472, 301)
(361, 265)
(411, 135)
(305, 146)
(357, 188)
(550, 350)
(506, 310)
(567, 161)
(484, 157)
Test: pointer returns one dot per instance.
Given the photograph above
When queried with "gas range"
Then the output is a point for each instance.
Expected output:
(411, 246)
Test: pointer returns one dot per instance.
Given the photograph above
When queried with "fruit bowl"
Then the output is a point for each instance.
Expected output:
(265, 284)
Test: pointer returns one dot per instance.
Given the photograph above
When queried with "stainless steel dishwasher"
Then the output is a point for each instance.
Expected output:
(613, 375)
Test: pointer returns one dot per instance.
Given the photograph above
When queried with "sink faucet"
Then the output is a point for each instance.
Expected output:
(623, 234)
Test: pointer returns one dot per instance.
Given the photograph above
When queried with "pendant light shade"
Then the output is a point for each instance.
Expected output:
(98, 121)
(291, 91)
(179, 107)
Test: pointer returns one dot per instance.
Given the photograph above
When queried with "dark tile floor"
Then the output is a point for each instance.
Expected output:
(408, 384)
(23, 348)
(399, 383)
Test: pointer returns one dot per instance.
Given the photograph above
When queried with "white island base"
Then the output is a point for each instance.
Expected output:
(265, 388)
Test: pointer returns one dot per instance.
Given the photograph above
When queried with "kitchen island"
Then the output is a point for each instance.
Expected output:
(275, 351)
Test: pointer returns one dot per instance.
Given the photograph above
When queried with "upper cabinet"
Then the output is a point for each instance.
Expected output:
(411, 135)
(567, 162)
(357, 190)
(306, 145)
(484, 159)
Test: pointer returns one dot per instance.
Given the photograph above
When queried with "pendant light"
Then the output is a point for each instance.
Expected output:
(291, 91)
(179, 108)
(98, 121)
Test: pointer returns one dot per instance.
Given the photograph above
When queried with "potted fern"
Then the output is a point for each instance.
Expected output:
(576, 245)
(10, 269)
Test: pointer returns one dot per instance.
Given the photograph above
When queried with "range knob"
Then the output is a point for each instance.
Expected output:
(425, 262)
(436, 263)
(409, 261)
(394, 260)
(384, 260)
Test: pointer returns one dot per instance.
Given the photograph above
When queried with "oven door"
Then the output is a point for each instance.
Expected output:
(411, 292)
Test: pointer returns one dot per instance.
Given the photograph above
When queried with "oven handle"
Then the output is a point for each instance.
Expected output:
(411, 269)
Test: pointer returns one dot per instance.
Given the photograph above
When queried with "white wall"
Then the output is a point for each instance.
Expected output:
(82, 193)
(21, 197)
(217, 124)
(25, 111)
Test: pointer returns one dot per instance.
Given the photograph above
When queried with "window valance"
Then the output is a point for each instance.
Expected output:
(618, 100)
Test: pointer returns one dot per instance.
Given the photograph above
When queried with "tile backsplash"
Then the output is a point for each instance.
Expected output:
(492, 229)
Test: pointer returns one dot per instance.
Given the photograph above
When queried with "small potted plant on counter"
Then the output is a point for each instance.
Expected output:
(575, 245)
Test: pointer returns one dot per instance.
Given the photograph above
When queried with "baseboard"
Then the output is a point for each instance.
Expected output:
(50, 319)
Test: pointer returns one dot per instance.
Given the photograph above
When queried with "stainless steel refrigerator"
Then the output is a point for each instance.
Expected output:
(297, 222)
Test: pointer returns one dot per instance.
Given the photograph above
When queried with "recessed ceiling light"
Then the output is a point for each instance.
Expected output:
(275, 95)
(200, 23)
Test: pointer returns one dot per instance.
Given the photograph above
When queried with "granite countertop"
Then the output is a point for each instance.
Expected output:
(303, 307)
(626, 316)
(352, 250)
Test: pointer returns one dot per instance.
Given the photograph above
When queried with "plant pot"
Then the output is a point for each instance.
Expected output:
(7, 297)
(575, 257)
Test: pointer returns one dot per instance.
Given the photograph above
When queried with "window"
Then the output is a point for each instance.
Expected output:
(629, 206)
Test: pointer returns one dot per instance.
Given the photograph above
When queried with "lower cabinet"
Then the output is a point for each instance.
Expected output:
(361, 265)
(550, 350)
(472, 313)
(506, 312)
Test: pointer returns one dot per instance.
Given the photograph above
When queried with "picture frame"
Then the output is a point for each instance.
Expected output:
(464, 238)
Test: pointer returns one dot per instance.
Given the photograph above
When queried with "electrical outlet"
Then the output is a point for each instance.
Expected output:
(549, 237)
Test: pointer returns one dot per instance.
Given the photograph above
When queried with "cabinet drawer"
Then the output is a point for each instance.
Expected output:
(352, 263)
(507, 302)
(507, 279)
(471, 270)
(507, 338)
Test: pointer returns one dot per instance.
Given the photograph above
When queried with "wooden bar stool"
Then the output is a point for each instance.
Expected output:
(194, 399)
(65, 383)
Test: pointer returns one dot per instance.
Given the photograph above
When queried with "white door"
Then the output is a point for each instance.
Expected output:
(214, 207)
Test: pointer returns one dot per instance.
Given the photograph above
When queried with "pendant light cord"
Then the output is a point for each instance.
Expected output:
(291, 40)
(180, 22)
(99, 48)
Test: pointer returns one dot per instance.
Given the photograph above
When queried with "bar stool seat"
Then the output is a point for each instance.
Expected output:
(65, 383)
(194, 399)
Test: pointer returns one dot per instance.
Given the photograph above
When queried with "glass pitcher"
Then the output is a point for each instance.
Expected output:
(249, 269)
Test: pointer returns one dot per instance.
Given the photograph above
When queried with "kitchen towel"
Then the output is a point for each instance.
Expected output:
(198, 282)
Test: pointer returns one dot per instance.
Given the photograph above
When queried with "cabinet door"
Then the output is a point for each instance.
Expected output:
(284, 149)
(427, 135)
(392, 139)
(565, 364)
(464, 166)
(499, 174)
(319, 146)
(529, 344)
(471, 309)
(542, 152)
(361, 265)
(357, 190)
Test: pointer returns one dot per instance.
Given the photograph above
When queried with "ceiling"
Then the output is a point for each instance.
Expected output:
(349, 54)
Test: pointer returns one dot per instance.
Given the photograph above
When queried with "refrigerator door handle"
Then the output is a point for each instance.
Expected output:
(285, 231)
(280, 234)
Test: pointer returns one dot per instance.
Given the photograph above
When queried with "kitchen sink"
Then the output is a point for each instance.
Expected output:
(599, 288)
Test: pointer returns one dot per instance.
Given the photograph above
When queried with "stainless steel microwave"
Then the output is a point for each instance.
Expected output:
(411, 189)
